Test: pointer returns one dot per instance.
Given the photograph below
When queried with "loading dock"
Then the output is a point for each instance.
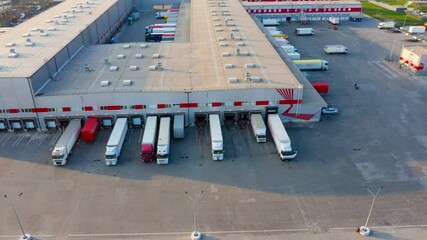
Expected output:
(201, 119)
(15, 124)
(230, 119)
(107, 121)
(136, 120)
(242, 119)
(63, 122)
(51, 124)
(3, 125)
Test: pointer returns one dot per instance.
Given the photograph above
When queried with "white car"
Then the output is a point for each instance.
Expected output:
(329, 111)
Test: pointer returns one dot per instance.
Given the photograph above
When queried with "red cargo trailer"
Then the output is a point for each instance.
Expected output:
(321, 87)
(90, 129)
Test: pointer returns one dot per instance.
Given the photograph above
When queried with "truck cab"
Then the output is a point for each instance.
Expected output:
(217, 151)
(111, 155)
(59, 155)
(286, 152)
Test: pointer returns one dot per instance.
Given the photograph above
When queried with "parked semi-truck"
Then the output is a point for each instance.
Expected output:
(280, 137)
(163, 143)
(90, 129)
(335, 49)
(216, 137)
(160, 30)
(304, 31)
(115, 142)
(178, 126)
(294, 56)
(321, 87)
(161, 14)
(66, 142)
(258, 127)
(148, 144)
(386, 25)
(270, 22)
(311, 64)
(416, 29)
(133, 17)
(289, 48)
(334, 20)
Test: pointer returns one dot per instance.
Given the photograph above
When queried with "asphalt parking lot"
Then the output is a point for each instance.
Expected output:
(378, 139)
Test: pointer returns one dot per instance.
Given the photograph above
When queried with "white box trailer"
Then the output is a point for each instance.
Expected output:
(335, 49)
(163, 142)
(66, 142)
(270, 22)
(115, 142)
(386, 25)
(161, 30)
(281, 41)
(258, 127)
(178, 126)
(272, 28)
(216, 137)
(275, 32)
(280, 137)
(334, 20)
(289, 48)
(294, 56)
(416, 29)
(304, 31)
(311, 64)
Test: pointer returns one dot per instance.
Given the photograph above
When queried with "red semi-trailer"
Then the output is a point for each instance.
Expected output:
(321, 87)
(90, 129)
(148, 145)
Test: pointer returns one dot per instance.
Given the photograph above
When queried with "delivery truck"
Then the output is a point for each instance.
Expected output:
(335, 49)
(161, 14)
(281, 41)
(178, 126)
(115, 142)
(416, 29)
(304, 31)
(386, 25)
(321, 87)
(90, 129)
(280, 137)
(275, 32)
(163, 142)
(334, 20)
(133, 17)
(272, 28)
(294, 56)
(258, 127)
(289, 48)
(311, 64)
(160, 30)
(216, 137)
(270, 22)
(66, 142)
(148, 144)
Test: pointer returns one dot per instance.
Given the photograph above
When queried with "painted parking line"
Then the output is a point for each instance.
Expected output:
(381, 227)
(385, 70)
(18, 236)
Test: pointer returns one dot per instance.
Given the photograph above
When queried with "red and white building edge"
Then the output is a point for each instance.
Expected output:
(415, 59)
(312, 10)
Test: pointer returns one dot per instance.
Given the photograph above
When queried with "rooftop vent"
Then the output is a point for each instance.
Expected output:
(12, 53)
(35, 29)
(29, 43)
(120, 56)
(244, 54)
(52, 29)
(216, 19)
(229, 65)
(26, 35)
(87, 68)
(49, 21)
(218, 30)
(127, 82)
(238, 38)
(43, 33)
(10, 44)
(221, 39)
(229, 19)
(226, 13)
(105, 83)
(57, 16)
(250, 65)
(143, 46)
(240, 44)
(218, 25)
(256, 79)
(133, 68)
(138, 55)
(234, 29)
(232, 80)
(65, 11)
(114, 68)
(126, 46)
(214, 14)
(226, 54)
(223, 44)
(156, 55)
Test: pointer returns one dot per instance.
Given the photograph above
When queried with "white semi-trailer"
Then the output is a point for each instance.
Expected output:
(311, 64)
(386, 25)
(294, 56)
(66, 142)
(416, 29)
(334, 20)
(115, 142)
(335, 49)
(258, 127)
(304, 31)
(280, 137)
(270, 22)
(289, 48)
(216, 137)
(163, 142)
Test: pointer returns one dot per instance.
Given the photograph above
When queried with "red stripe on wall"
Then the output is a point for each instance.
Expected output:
(37, 110)
(13, 110)
(237, 104)
(188, 105)
(114, 107)
(216, 104)
(66, 109)
(88, 108)
(139, 106)
(261, 103)
(290, 101)
(161, 105)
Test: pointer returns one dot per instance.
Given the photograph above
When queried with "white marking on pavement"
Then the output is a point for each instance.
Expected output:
(18, 236)
(386, 70)
(140, 135)
(381, 227)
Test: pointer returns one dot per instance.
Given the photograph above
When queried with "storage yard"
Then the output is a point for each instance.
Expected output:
(377, 139)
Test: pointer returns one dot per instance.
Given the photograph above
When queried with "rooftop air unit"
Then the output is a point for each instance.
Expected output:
(216, 19)
(43, 33)
(143, 46)
(52, 29)
(35, 29)
(49, 21)
(156, 55)
(226, 54)
(127, 82)
(218, 30)
(126, 46)
(29, 43)
(232, 80)
(133, 68)
(240, 44)
(256, 79)
(221, 39)
(10, 44)
(114, 68)
(229, 65)
(238, 38)
(12, 53)
(234, 29)
(244, 54)
(138, 55)
(250, 65)
(223, 44)
(105, 83)
(26, 35)
(120, 56)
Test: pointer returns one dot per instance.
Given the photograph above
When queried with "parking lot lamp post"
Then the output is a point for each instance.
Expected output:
(364, 230)
(195, 235)
(404, 22)
(24, 235)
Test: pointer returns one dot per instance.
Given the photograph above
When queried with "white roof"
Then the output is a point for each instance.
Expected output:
(301, 3)
(31, 59)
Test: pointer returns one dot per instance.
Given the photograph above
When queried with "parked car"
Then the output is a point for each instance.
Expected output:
(329, 110)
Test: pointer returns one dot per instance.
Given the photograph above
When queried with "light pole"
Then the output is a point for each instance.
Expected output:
(364, 230)
(404, 22)
(24, 235)
(195, 235)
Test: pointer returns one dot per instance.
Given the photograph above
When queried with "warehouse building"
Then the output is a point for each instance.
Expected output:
(414, 59)
(55, 68)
